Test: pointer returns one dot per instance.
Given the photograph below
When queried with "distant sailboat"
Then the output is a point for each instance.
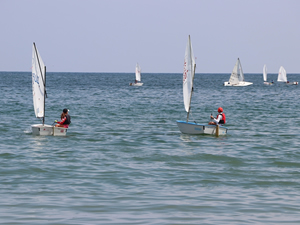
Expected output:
(138, 77)
(187, 127)
(265, 76)
(39, 95)
(282, 77)
(237, 76)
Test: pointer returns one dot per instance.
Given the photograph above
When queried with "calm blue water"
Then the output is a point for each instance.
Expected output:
(124, 160)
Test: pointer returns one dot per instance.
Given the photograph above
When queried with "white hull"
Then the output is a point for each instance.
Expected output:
(289, 83)
(195, 128)
(136, 84)
(268, 83)
(240, 84)
(295, 83)
(48, 130)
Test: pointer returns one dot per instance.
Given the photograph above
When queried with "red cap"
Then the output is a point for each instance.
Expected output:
(220, 109)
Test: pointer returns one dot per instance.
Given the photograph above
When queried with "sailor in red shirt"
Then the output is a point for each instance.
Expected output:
(221, 118)
(65, 119)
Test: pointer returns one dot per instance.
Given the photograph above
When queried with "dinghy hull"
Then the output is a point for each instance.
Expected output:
(268, 83)
(293, 83)
(240, 84)
(135, 84)
(196, 128)
(48, 130)
(290, 83)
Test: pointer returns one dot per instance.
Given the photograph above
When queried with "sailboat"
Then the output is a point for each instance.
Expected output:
(39, 96)
(187, 127)
(237, 76)
(283, 78)
(137, 76)
(265, 76)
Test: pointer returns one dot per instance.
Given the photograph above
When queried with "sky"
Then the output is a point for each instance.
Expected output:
(113, 35)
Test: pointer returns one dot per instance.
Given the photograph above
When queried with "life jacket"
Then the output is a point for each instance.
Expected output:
(223, 120)
(68, 119)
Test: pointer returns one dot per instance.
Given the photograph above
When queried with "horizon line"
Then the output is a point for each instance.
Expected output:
(142, 73)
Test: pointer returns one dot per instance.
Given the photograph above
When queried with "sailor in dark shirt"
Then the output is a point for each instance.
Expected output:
(65, 119)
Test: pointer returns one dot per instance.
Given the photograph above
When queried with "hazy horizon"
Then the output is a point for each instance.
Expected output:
(146, 73)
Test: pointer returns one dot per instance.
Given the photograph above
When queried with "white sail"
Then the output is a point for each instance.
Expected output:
(240, 71)
(237, 74)
(234, 78)
(282, 75)
(138, 72)
(188, 75)
(265, 73)
(38, 83)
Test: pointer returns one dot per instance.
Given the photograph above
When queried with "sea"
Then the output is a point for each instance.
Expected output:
(124, 160)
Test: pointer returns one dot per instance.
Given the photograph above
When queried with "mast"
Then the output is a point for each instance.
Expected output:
(193, 74)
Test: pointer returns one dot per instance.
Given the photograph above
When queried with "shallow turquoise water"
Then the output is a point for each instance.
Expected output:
(125, 161)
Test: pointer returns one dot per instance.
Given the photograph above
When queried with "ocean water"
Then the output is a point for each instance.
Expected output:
(124, 160)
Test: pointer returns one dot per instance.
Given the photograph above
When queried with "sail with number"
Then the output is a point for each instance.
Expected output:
(265, 73)
(282, 75)
(188, 75)
(38, 83)
(138, 72)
